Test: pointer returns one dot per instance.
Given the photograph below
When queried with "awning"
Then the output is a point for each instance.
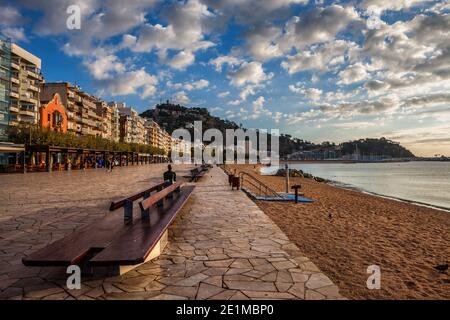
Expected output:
(8, 147)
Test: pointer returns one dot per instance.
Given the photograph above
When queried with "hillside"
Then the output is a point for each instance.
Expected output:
(171, 117)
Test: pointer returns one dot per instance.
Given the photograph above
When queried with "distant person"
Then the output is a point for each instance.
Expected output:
(169, 175)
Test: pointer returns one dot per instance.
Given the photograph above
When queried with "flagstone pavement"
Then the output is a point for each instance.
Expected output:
(221, 245)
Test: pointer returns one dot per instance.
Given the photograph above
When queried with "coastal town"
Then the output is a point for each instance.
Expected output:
(28, 100)
(224, 154)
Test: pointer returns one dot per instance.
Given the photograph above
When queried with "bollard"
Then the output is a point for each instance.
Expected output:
(296, 187)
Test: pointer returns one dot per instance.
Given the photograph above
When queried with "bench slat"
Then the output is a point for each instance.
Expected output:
(120, 203)
(134, 246)
(74, 247)
(147, 203)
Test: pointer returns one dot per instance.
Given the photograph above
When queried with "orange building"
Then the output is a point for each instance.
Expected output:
(53, 115)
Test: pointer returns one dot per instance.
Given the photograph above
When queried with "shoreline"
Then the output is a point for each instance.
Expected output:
(346, 186)
(345, 230)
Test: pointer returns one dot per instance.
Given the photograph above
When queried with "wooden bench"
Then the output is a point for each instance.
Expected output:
(197, 173)
(119, 242)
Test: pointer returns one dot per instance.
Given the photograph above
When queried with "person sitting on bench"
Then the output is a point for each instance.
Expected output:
(170, 175)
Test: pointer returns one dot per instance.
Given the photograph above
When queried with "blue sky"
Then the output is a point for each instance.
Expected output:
(319, 70)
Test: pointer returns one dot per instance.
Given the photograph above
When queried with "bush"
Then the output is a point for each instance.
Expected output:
(45, 137)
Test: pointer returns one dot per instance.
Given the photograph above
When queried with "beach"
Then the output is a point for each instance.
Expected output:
(344, 231)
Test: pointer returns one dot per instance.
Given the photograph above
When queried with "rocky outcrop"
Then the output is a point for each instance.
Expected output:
(292, 173)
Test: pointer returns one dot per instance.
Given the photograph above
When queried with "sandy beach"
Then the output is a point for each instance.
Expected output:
(345, 231)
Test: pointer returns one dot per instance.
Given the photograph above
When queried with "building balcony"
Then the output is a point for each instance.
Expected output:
(88, 104)
(14, 108)
(15, 65)
(34, 75)
(33, 88)
(14, 94)
(28, 99)
(27, 113)
(15, 80)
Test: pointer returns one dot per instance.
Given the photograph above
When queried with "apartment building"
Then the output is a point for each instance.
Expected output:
(132, 126)
(105, 113)
(157, 136)
(26, 79)
(115, 121)
(80, 106)
(5, 84)
(167, 141)
(154, 133)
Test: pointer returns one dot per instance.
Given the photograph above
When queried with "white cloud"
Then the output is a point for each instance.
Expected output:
(317, 26)
(127, 83)
(184, 32)
(397, 5)
(223, 94)
(182, 98)
(224, 60)
(182, 59)
(312, 94)
(189, 86)
(261, 42)
(104, 67)
(249, 90)
(10, 19)
(234, 102)
(322, 58)
(352, 74)
(258, 109)
(249, 72)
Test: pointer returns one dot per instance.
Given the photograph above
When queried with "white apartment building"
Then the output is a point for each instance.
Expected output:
(26, 80)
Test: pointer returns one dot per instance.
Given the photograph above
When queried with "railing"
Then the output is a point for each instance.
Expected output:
(256, 186)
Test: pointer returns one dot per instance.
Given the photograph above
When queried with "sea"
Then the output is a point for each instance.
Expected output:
(421, 182)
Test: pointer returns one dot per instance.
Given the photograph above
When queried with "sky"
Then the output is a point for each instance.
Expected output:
(316, 69)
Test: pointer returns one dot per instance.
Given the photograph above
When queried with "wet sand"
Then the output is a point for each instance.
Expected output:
(345, 231)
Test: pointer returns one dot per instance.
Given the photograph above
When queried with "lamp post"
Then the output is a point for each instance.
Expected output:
(287, 177)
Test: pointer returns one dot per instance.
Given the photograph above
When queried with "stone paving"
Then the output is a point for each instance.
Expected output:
(221, 246)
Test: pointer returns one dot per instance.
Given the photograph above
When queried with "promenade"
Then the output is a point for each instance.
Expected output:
(221, 246)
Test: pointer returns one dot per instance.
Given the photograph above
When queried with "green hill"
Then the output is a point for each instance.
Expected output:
(173, 116)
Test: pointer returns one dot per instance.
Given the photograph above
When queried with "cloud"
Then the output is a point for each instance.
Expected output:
(219, 62)
(318, 25)
(223, 94)
(16, 34)
(184, 32)
(258, 109)
(189, 86)
(323, 57)
(251, 12)
(249, 72)
(249, 90)
(10, 19)
(354, 73)
(234, 102)
(104, 67)
(384, 5)
(182, 60)
(261, 42)
(182, 98)
(312, 94)
(127, 83)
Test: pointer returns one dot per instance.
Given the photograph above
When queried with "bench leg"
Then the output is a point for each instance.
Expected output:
(145, 214)
(128, 211)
